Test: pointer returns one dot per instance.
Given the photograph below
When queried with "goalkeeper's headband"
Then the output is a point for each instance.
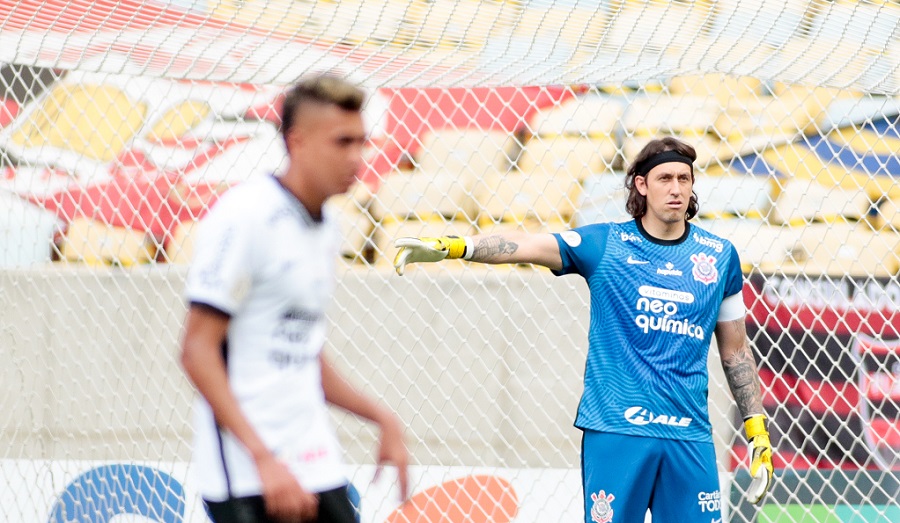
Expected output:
(664, 157)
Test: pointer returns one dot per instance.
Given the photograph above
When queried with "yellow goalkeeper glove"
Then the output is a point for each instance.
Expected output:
(415, 250)
(760, 457)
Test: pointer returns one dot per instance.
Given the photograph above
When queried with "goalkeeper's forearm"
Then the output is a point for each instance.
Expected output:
(517, 247)
(512, 247)
(739, 366)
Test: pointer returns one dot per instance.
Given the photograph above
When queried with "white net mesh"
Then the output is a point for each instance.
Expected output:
(122, 122)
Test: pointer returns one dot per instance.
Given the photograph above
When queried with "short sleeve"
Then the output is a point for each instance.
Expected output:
(221, 271)
(581, 249)
(734, 277)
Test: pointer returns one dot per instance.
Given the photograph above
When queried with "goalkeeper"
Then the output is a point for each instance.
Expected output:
(660, 287)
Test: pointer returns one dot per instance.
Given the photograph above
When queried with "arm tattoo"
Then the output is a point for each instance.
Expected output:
(490, 249)
(741, 373)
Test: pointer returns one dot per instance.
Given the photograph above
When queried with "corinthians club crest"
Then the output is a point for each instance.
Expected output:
(879, 397)
(602, 511)
(704, 270)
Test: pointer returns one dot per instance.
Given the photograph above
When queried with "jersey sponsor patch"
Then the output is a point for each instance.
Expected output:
(638, 415)
(709, 242)
(572, 238)
(705, 270)
(710, 502)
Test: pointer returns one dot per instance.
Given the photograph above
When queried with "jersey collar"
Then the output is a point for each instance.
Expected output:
(305, 215)
(653, 239)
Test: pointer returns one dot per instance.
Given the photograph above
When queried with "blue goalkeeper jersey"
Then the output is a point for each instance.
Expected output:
(654, 305)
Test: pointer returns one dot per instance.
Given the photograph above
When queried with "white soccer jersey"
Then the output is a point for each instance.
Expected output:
(261, 259)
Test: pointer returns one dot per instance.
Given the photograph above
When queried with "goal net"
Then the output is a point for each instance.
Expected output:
(121, 123)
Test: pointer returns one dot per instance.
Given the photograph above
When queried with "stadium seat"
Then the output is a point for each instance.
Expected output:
(839, 249)
(888, 215)
(446, 170)
(735, 196)
(519, 196)
(455, 24)
(578, 137)
(655, 26)
(802, 201)
(180, 245)
(361, 22)
(719, 87)
(96, 243)
(602, 199)
(688, 117)
(575, 157)
(799, 161)
(356, 224)
(571, 27)
(771, 119)
(26, 232)
(414, 195)
(745, 27)
(712, 153)
(759, 244)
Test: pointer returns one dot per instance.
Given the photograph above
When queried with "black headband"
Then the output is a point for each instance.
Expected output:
(664, 157)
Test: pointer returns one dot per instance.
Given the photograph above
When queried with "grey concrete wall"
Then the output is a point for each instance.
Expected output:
(484, 364)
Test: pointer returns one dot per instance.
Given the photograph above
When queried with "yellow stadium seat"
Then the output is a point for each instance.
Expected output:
(655, 26)
(96, 243)
(800, 162)
(743, 196)
(802, 201)
(841, 249)
(720, 88)
(689, 117)
(888, 215)
(412, 194)
(571, 27)
(518, 196)
(712, 153)
(180, 247)
(467, 153)
(572, 156)
(448, 168)
(772, 119)
(602, 199)
(577, 136)
(355, 221)
(458, 24)
(758, 244)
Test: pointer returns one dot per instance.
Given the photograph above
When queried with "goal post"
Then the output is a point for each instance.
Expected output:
(121, 123)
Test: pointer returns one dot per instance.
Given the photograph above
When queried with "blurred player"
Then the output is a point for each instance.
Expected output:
(259, 286)
(660, 286)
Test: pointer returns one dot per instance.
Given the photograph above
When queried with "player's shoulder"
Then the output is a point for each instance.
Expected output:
(703, 237)
(245, 201)
(251, 193)
(576, 236)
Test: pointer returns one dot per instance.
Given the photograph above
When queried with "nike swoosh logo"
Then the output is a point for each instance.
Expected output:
(632, 261)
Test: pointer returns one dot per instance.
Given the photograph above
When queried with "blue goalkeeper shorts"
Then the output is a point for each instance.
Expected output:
(623, 476)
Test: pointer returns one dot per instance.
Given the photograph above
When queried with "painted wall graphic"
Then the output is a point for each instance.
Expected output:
(108, 492)
(829, 352)
(103, 493)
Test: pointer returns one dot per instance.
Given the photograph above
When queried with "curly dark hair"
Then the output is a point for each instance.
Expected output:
(636, 205)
